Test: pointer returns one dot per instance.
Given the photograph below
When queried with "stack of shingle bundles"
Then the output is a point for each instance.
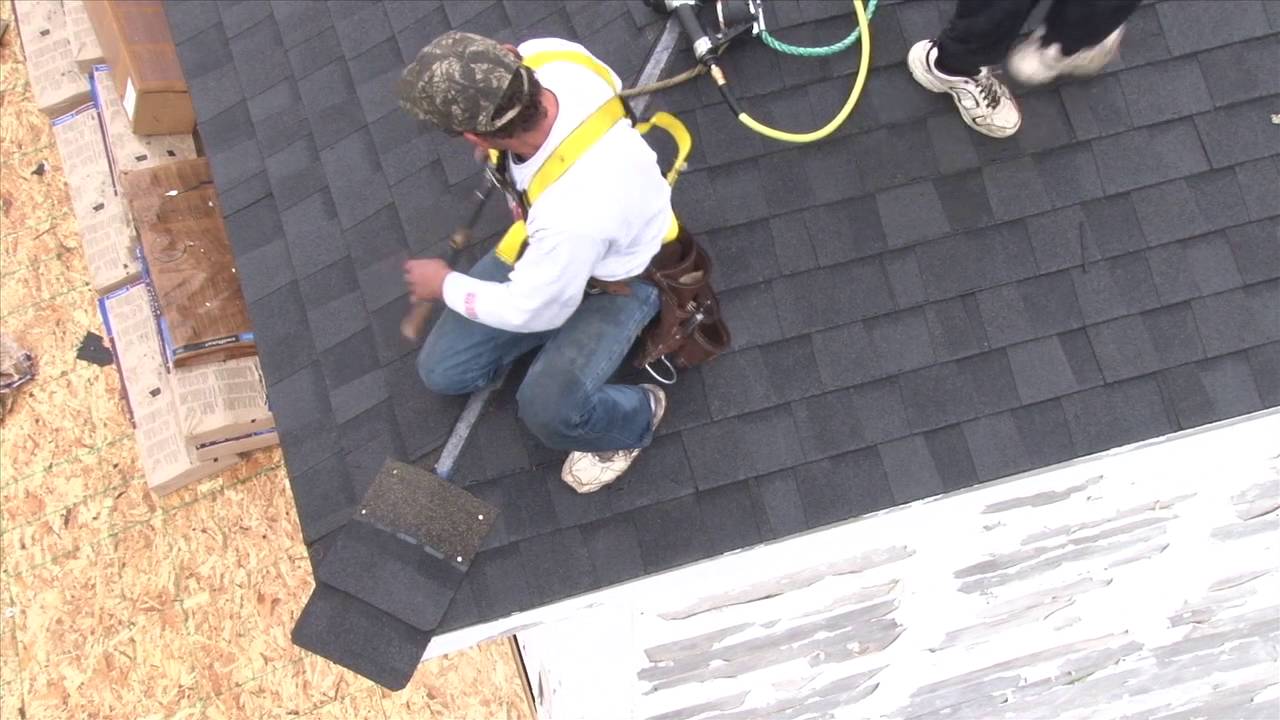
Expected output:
(194, 416)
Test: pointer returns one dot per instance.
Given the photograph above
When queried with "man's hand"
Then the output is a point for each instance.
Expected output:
(425, 278)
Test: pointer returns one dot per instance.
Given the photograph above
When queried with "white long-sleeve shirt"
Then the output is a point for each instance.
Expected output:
(605, 217)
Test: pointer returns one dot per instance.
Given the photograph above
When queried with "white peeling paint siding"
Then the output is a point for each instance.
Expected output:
(1141, 583)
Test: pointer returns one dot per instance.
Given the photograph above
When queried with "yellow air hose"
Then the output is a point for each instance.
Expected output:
(793, 137)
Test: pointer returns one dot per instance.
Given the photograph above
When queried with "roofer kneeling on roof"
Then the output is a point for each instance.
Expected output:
(596, 211)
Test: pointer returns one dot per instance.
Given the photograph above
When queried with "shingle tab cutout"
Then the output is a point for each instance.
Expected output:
(914, 307)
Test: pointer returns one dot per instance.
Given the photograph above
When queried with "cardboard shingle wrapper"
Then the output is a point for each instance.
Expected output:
(106, 234)
(58, 85)
(125, 150)
(85, 48)
(222, 405)
(175, 208)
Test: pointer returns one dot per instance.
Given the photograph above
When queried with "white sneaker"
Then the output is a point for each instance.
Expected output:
(587, 472)
(1032, 63)
(984, 102)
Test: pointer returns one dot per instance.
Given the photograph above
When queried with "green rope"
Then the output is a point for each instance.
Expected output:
(823, 51)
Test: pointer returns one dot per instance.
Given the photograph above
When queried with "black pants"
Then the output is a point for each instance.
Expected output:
(982, 31)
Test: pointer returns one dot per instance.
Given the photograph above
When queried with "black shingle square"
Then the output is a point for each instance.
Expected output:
(205, 52)
(892, 156)
(1028, 309)
(959, 390)
(215, 91)
(1115, 287)
(300, 20)
(950, 453)
(670, 533)
(1052, 126)
(921, 20)
(614, 549)
(832, 170)
(424, 418)
(778, 507)
(279, 117)
(792, 249)
(900, 340)
(1265, 361)
(1062, 238)
(909, 468)
(249, 191)
(952, 142)
(1139, 344)
(1186, 30)
(731, 141)
(1239, 133)
(751, 315)
(358, 395)
(369, 426)
(845, 231)
(1169, 212)
(403, 12)
(1257, 179)
(1069, 175)
(365, 463)
(1242, 71)
(742, 255)
(315, 52)
(395, 575)
(1096, 107)
(334, 281)
(741, 447)
(729, 518)
(1238, 319)
(311, 227)
(253, 227)
(362, 29)
(686, 403)
(1054, 366)
(359, 637)
(1113, 226)
(231, 166)
(189, 18)
(912, 213)
(1021, 439)
(1116, 414)
(739, 190)
(1164, 91)
(295, 173)
(1212, 390)
(847, 486)
(324, 496)
(879, 410)
(1218, 197)
(385, 324)
(826, 426)
(572, 508)
(332, 105)
(355, 178)
(786, 183)
(964, 200)
(500, 452)
(556, 566)
(376, 75)
(264, 270)
(904, 277)
(1257, 250)
(349, 360)
(956, 327)
(894, 94)
(1148, 155)
(497, 582)
(831, 296)
(1194, 267)
(229, 128)
(280, 319)
(300, 404)
(661, 472)
(377, 237)
(845, 355)
(978, 259)
(259, 56)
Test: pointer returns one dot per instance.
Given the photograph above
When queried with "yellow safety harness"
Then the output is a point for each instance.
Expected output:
(580, 140)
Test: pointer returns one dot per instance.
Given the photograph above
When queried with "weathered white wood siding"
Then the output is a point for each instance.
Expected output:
(1141, 583)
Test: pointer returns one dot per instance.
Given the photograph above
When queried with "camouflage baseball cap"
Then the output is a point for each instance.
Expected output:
(457, 82)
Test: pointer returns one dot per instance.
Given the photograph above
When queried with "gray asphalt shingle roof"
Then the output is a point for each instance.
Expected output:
(916, 308)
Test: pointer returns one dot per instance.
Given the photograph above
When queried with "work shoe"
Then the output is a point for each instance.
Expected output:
(589, 471)
(983, 101)
(1033, 63)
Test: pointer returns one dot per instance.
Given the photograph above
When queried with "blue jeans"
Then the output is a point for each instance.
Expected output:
(563, 400)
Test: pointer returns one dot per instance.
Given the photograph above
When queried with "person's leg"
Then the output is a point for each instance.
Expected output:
(980, 34)
(461, 355)
(1078, 38)
(1080, 24)
(564, 399)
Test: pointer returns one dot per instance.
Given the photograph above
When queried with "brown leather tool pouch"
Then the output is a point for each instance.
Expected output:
(688, 329)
